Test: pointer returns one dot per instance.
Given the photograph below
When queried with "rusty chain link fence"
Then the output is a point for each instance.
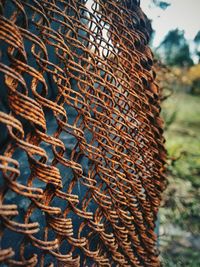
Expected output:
(82, 157)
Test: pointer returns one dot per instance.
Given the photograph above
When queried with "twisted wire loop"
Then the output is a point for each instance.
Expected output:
(82, 156)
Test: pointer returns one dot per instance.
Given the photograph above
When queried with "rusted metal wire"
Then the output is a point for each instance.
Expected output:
(82, 156)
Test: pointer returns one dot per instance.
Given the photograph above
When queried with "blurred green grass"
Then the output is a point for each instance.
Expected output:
(180, 214)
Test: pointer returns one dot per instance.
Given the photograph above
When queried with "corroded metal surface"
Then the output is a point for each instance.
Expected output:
(82, 156)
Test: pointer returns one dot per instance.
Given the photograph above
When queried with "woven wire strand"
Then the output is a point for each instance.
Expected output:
(82, 156)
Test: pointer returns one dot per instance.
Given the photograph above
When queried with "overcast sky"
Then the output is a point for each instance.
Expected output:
(182, 14)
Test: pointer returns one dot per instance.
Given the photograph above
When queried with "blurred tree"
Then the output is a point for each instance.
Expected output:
(174, 49)
(162, 4)
(197, 44)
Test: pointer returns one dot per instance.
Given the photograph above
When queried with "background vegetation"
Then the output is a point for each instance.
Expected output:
(179, 77)
(180, 214)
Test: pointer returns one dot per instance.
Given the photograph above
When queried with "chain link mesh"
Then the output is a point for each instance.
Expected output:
(82, 156)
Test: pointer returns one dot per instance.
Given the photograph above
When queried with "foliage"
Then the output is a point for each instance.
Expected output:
(190, 79)
(197, 38)
(197, 43)
(194, 79)
(162, 4)
(175, 49)
(180, 215)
